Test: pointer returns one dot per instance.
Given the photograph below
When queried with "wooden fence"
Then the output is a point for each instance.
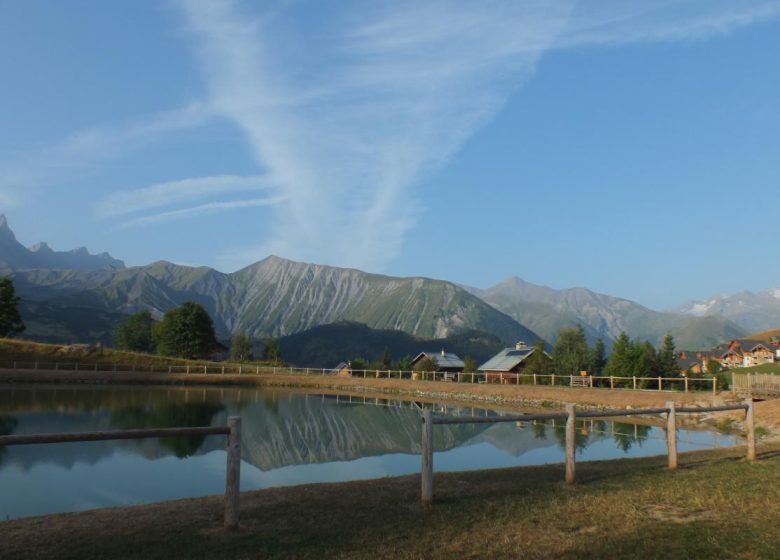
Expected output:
(635, 382)
(232, 430)
(571, 414)
(755, 384)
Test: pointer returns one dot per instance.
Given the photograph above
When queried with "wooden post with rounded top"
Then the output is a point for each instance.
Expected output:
(750, 429)
(671, 434)
(427, 457)
(570, 420)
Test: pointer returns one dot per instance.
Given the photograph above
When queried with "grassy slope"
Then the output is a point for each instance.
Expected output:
(619, 509)
(25, 350)
(764, 335)
(763, 368)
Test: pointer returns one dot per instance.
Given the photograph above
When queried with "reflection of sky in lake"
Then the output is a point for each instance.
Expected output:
(288, 439)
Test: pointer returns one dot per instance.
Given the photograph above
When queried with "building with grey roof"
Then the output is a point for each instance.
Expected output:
(447, 360)
(508, 361)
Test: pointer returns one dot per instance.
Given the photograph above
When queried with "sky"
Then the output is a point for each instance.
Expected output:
(630, 147)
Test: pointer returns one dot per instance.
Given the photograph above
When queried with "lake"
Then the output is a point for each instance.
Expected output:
(287, 438)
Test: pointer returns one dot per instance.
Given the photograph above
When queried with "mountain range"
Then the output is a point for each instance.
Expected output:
(15, 256)
(73, 296)
(546, 310)
(751, 311)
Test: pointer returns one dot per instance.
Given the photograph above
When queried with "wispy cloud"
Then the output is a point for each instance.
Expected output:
(195, 211)
(81, 151)
(175, 192)
(348, 113)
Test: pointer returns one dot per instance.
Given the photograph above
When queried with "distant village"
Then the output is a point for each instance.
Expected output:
(737, 353)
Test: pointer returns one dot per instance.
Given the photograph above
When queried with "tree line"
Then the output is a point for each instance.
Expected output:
(187, 332)
(572, 354)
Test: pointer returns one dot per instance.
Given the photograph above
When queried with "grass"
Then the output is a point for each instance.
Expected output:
(28, 351)
(773, 368)
(716, 506)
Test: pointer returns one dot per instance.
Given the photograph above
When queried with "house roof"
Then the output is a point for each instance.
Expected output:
(444, 359)
(507, 359)
(340, 367)
(747, 344)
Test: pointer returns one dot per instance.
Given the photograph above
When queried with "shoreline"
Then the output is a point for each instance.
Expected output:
(508, 397)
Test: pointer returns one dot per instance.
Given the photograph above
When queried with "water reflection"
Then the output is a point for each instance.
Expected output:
(166, 415)
(7, 426)
(287, 438)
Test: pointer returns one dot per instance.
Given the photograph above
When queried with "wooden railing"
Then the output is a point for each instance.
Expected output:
(609, 382)
(755, 384)
(571, 414)
(232, 430)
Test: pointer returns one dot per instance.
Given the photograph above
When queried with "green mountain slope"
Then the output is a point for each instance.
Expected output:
(277, 297)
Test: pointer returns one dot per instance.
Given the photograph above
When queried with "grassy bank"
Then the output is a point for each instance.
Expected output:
(716, 506)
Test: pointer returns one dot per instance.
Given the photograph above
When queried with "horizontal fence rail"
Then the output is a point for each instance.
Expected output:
(634, 382)
(232, 430)
(571, 415)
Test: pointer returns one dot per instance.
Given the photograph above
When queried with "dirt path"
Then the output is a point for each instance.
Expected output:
(518, 395)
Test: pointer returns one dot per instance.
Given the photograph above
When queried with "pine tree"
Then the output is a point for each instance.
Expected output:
(570, 353)
(620, 362)
(10, 320)
(598, 358)
(667, 358)
(469, 365)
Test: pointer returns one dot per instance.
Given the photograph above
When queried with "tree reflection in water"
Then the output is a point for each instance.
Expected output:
(7, 426)
(167, 415)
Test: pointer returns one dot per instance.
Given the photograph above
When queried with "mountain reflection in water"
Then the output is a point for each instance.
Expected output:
(287, 438)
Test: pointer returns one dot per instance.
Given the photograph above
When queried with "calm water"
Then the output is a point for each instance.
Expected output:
(288, 438)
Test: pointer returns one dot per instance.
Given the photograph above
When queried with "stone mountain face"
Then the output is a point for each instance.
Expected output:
(276, 297)
(15, 256)
(751, 311)
(546, 310)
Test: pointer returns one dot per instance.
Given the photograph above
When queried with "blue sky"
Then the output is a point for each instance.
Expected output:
(629, 147)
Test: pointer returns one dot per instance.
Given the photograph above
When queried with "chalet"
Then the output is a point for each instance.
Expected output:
(447, 361)
(508, 363)
(754, 352)
(691, 363)
(744, 352)
(694, 362)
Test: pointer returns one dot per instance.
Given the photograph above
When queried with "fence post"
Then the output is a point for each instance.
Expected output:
(553, 379)
(750, 428)
(733, 383)
(611, 382)
(188, 368)
(686, 383)
(205, 369)
(714, 386)
(671, 434)
(427, 457)
(660, 386)
(634, 378)
(233, 478)
(570, 420)
(534, 379)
